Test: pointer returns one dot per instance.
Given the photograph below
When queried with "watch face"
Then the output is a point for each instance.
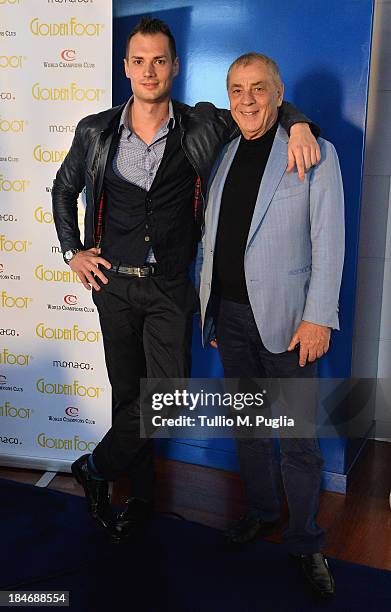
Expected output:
(68, 255)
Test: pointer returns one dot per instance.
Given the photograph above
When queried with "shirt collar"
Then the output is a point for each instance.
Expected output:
(124, 121)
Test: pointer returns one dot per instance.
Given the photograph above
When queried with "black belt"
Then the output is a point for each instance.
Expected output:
(139, 272)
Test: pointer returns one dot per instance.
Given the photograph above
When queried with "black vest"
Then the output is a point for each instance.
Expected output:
(163, 218)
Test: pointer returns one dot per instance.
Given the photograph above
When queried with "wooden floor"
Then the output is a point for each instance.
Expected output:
(358, 524)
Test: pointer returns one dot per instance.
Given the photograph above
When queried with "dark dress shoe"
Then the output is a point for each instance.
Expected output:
(131, 522)
(96, 492)
(248, 528)
(317, 574)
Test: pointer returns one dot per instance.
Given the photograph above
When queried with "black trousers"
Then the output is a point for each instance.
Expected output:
(146, 326)
(299, 469)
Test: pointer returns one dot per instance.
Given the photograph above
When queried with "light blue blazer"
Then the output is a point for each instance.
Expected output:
(295, 248)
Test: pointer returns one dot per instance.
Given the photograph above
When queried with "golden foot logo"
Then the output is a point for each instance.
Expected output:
(7, 358)
(17, 185)
(12, 61)
(15, 126)
(69, 334)
(46, 155)
(43, 216)
(74, 388)
(13, 412)
(13, 246)
(51, 275)
(68, 28)
(65, 443)
(71, 93)
(9, 301)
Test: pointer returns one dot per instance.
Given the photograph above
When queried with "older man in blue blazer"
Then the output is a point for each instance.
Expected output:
(273, 252)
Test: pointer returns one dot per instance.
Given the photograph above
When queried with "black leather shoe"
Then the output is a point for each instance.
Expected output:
(130, 522)
(248, 528)
(317, 573)
(96, 492)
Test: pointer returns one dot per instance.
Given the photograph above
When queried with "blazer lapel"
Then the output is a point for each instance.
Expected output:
(274, 171)
(215, 191)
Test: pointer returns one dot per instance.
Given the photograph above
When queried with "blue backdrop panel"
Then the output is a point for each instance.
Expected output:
(323, 50)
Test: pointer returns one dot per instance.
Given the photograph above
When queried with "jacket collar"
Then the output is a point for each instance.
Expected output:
(274, 171)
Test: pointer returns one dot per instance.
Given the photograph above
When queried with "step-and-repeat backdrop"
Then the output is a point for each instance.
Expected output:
(55, 68)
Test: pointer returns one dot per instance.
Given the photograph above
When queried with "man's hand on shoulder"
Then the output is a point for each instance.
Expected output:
(314, 341)
(303, 149)
(85, 264)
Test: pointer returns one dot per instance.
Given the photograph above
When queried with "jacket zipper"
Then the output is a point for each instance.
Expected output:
(198, 175)
(98, 156)
(95, 199)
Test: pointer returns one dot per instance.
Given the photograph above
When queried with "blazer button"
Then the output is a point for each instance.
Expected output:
(146, 238)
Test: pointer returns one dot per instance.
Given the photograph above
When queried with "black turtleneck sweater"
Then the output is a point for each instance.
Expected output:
(236, 212)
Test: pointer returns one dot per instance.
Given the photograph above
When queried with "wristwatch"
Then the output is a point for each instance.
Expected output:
(68, 255)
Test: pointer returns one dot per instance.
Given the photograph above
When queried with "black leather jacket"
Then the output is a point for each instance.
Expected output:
(204, 130)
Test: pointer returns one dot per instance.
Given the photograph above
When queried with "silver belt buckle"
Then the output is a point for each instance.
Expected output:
(141, 272)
